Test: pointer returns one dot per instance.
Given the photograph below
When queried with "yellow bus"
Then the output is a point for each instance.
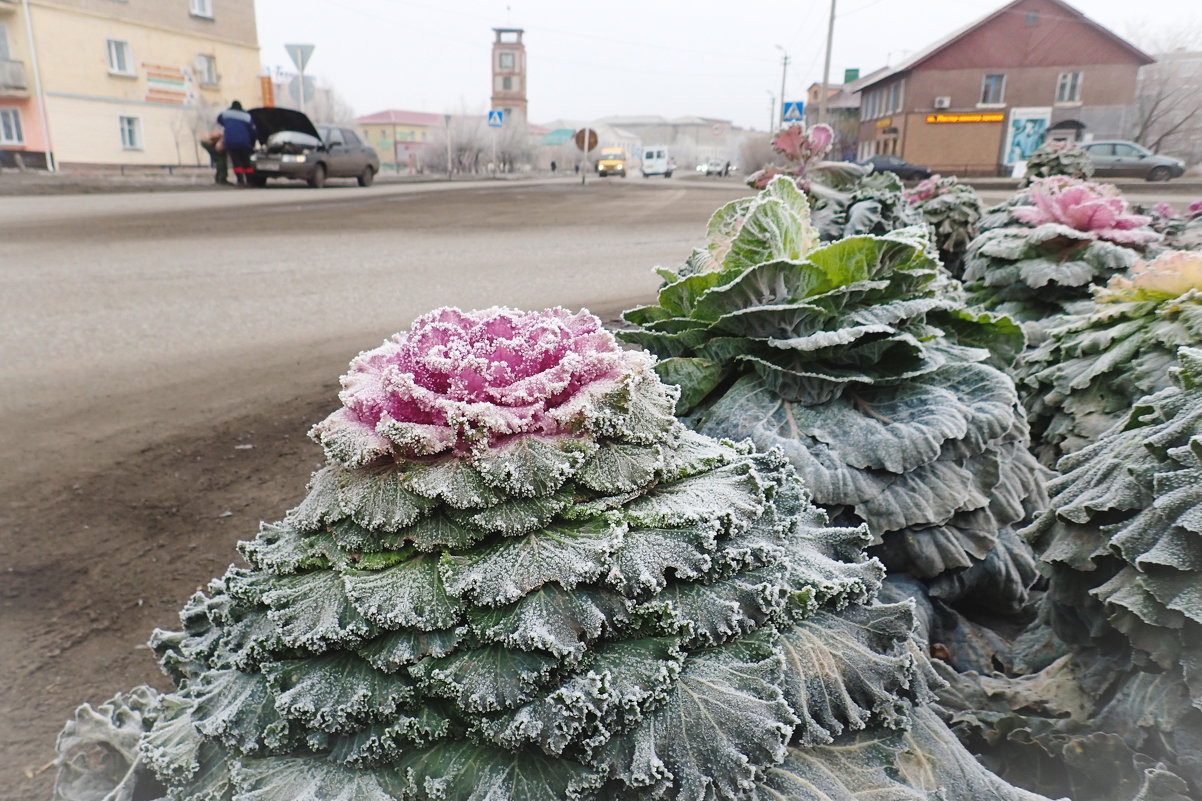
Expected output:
(612, 162)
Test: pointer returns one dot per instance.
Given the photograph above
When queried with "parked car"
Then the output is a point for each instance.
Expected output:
(1117, 158)
(899, 167)
(291, 146)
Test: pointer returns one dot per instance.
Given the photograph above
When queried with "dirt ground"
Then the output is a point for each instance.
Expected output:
(104, 553)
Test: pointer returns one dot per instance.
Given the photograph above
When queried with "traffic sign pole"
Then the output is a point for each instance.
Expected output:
(300, 53)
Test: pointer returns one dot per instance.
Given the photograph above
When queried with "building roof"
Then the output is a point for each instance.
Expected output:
(398, 117)
(918, 58)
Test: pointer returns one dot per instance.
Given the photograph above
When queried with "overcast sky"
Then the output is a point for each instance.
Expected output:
(712, 58)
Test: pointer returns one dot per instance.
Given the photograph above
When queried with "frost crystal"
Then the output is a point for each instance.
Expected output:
(576, 598)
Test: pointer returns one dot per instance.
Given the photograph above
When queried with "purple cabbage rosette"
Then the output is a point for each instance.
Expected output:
(519, 578)
(1041, 254)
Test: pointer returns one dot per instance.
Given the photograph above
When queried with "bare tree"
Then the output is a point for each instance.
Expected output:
(328, 106)
(1168, 104)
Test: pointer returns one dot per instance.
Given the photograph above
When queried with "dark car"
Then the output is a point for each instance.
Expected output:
(901, 168)
(1117, 159)
(291, 146)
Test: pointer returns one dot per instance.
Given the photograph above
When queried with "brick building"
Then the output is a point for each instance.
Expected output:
(980, 100)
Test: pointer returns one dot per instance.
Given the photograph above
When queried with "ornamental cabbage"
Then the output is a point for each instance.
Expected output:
(1058, 158)
(874, 384)
(847, 199)
(1092, 367)
(1081, 236)
(1117, 699)
(952, 209)
(519, 578)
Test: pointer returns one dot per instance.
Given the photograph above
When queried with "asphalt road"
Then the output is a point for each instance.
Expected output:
(124, 316)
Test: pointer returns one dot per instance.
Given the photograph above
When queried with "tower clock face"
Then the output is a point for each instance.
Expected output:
(506, 61)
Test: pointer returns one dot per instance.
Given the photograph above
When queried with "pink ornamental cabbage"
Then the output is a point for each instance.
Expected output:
(1195, 208)
(1085, 206)
(463, 380)
(803, 146)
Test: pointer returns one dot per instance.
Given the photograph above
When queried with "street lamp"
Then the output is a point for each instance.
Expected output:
(784, 70)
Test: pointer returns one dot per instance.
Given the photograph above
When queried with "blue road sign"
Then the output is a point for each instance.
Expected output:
(495, 119)
(794, 111)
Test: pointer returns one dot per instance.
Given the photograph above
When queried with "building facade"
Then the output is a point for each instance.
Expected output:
(980, 101)
(509, 73)
(399, 137)
(123, 82)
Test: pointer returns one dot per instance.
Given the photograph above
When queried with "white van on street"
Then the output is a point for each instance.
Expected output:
(657, 161)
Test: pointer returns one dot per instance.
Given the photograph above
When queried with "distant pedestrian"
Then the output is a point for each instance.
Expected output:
(577, 168)
(215, 147)
(552, 167)
(726, 170)
(238, 134)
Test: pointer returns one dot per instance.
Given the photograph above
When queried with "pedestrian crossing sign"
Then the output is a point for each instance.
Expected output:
(794, 111)
(495, 118)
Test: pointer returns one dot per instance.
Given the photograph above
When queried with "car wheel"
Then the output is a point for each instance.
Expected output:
(366, 177)
(667, 175)
(1160, 174)
(318, 179)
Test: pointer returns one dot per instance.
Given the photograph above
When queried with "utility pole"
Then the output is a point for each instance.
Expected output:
(771, 110)
(446, 121)
(826, 67)
(784, 70)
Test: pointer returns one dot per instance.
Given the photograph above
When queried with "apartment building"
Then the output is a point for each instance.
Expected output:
(981, 100)
(121, 82)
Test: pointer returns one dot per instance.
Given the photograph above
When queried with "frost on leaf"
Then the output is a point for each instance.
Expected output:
(863, 365)
(1119, 631)
(520, 578)
(724, 716)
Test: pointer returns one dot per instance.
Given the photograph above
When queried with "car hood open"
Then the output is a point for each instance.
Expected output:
(273, 120)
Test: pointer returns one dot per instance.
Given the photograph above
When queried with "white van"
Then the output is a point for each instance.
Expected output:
(657, 161)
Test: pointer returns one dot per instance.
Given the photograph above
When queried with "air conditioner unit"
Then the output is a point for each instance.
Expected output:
(943, 101)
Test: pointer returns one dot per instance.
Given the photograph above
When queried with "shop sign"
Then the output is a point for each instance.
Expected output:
(987, 117)
(885, 123)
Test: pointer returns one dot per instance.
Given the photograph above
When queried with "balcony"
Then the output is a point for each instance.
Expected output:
(12, 78)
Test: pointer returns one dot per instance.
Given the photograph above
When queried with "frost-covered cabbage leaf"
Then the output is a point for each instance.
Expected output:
(873, 382)
(1058, 239)
(1094, 365)
(1118, 647)
(952, 209)
(519, 578)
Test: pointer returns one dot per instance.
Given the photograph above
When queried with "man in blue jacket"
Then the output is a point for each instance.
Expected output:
(239, 138)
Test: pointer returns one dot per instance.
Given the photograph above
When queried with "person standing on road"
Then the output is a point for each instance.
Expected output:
(238, 134)
(213, 145)
(552, 167)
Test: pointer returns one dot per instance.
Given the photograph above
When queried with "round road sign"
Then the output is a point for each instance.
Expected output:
(586, 139)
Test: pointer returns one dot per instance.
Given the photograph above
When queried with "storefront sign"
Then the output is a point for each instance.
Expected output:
(885, 123)
(990, 117)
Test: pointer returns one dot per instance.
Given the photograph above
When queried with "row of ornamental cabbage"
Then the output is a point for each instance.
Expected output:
(520, 578)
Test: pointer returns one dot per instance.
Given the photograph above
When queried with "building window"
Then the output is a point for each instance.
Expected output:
(206, 70)
(5, 53)
(895, 97)
(1031, 18)
(202, 8)
(131, 133)
(10, 127)
(121, 61)
(507, 84)
(1068, 88)
(505, 61)
(993, 90)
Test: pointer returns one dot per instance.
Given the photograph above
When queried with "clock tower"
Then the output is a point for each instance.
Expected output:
(509, 72)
